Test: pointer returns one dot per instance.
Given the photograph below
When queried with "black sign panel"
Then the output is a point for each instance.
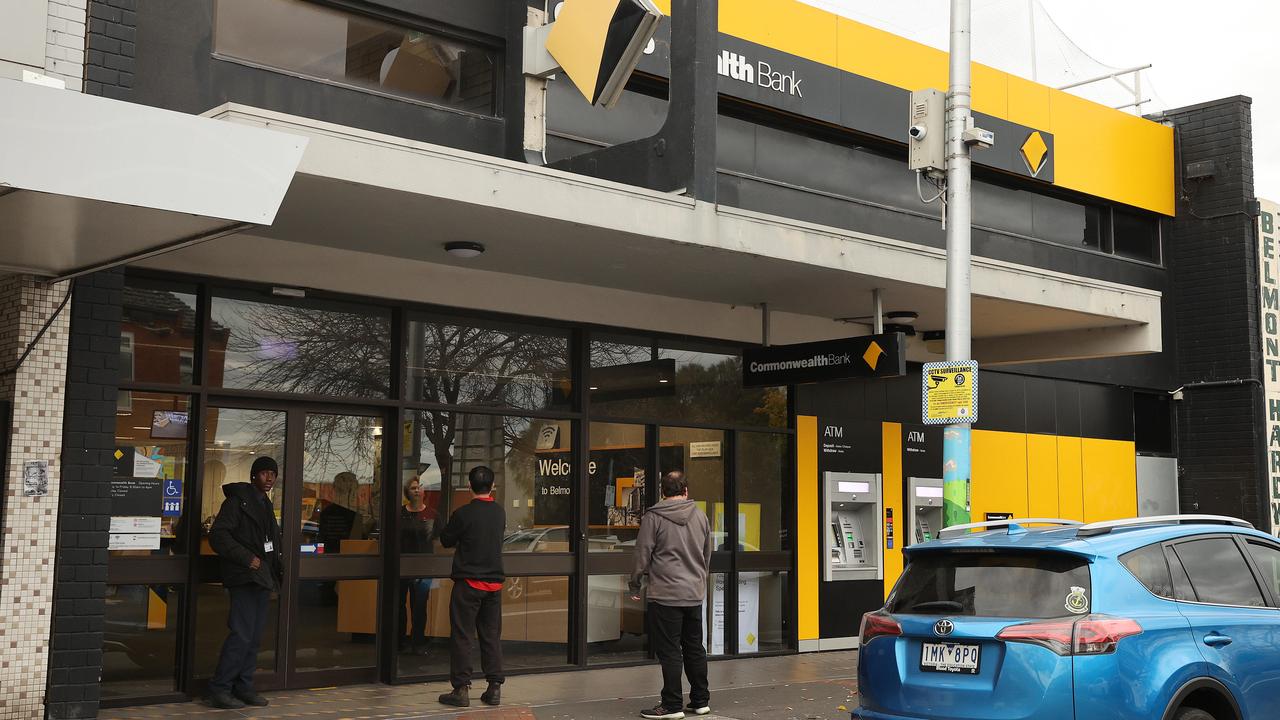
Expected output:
(136, 497)
(858, 357)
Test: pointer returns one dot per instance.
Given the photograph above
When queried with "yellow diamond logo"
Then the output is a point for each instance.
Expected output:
(119, 454)
(872, 355)
(1034, 152)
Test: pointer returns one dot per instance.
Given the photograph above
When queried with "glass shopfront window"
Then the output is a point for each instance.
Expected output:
(701, 455)
(341, 498)
(635, 378)
(140, 640)
(336, 624)
(616, 626)
(325, 349)
(617, 469)
(233, 440)
(761, 487)
(489, 365)
(212, 606)
(341, 47)
(157, 333)
(532, 463)
(149, 482)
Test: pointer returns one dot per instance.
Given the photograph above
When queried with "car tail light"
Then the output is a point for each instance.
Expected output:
(1091, 635)
(877, 624)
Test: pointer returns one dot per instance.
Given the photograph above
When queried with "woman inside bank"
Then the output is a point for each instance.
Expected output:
(417, 524)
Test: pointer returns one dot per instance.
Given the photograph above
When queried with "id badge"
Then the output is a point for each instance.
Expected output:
(267, 546)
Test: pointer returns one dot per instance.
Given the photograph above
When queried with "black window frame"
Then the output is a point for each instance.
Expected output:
(1238, 542)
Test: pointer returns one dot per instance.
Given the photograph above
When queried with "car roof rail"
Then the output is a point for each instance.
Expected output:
(1013, 524)
(1106, 526)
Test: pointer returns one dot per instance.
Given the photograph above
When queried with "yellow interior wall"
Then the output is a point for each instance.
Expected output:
(999, 470)
(1098, 151)
(891, 479)
(808, 549)
(1109, 491)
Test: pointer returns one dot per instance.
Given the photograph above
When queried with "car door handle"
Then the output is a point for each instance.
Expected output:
(1215, 639)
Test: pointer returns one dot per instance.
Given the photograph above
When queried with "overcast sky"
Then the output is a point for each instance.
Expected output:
(1199, 50)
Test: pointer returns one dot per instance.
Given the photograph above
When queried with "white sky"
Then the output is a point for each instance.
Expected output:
(1199, 50)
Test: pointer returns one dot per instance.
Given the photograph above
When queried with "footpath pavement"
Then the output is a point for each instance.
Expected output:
(819, 686)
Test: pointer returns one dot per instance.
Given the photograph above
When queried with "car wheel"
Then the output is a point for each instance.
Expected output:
(1191, 713)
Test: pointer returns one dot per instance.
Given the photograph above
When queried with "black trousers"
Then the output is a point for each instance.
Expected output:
(676, 636)
(414, 590)
(245, 622)
(474, 613)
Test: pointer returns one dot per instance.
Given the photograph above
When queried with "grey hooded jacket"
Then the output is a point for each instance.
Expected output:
(674, 550)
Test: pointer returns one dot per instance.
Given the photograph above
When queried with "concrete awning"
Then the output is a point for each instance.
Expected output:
(368, 214)
(87, 182)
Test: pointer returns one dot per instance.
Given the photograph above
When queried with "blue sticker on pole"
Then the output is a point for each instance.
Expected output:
(171, 492)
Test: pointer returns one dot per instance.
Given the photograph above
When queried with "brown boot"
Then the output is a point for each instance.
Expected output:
(460, 697)
(492, 696)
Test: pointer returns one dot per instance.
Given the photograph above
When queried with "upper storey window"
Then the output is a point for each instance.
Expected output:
(330, 45)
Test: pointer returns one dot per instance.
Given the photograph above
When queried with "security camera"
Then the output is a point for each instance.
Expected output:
(917, 132)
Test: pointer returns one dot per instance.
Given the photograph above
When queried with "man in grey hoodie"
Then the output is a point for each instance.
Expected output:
(674, 550)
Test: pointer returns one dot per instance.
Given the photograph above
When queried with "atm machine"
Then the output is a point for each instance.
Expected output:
(924, 509)
(852, 517)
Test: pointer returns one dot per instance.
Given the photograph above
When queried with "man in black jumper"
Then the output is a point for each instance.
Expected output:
(475, 608)
(247, 539)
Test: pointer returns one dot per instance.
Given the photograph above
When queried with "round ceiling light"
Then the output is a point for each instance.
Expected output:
(464, 250)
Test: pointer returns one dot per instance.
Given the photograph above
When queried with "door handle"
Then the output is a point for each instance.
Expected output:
(1216, 639)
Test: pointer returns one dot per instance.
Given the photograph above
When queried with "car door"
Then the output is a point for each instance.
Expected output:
(1233, 618)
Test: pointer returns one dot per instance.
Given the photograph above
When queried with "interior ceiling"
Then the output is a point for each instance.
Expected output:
(332, 213)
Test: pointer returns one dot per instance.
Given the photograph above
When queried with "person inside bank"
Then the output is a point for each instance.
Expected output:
(247, 539)
(417, 529)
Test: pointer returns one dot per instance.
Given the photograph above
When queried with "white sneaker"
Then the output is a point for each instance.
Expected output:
(704, 710)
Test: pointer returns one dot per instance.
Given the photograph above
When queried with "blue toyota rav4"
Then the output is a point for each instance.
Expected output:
(1172, 618)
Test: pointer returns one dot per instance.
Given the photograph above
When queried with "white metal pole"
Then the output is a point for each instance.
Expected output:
(1031, 35)
(955, 445)
(877, 310)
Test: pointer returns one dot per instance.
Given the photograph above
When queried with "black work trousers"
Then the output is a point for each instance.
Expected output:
(675, 633)
(245, 623)
(414, 591)
(474, 613)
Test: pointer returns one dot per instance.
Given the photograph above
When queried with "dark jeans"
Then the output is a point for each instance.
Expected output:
(676, 636)
(474, 612)
(415, 591)
(245, 622)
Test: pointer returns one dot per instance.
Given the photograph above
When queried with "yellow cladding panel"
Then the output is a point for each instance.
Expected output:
(577, 40)
(866, 51)
(1028, 103)
(1110, 479)
(1111, 154)
(1042, 476)
(1070, 479)
(999, 467)
(808, 547)
(806, 32)
(891, 478)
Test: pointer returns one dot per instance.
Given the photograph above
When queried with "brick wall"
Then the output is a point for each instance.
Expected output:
(1211, 251)
(88, 440)
(30, 523)
(64, 43)
(111, 48)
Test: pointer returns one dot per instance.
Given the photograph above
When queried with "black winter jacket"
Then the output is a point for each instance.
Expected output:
(245, 522)
(476, 529)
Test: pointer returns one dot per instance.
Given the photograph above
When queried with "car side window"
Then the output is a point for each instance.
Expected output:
(1181, 583)
(1149, 566)
(1219, 573)
(1267, 558)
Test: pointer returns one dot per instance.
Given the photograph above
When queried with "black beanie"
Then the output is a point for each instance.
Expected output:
(263, 463)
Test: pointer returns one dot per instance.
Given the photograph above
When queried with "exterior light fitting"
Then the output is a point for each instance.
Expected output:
(464, 250)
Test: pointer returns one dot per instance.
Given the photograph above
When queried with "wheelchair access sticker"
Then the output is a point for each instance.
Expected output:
(1077, 603)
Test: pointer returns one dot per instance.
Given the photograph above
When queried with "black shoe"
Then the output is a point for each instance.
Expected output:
(661, 713)
(703, 709)
(224, 701)
(492, 696)
(460, 697)
(250, 697)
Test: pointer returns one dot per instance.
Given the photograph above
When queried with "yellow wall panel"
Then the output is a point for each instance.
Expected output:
(866, 51)
(1029, 103)
(892, 488)
(1110, 479)
(999, 473)
(807, 32)
(990, 91)
(1042, 476)
(808, 548)
(1070, 479)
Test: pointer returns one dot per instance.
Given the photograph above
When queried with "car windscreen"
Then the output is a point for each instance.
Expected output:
(994, 584)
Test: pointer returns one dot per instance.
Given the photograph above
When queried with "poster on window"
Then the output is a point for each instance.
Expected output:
(748, 614)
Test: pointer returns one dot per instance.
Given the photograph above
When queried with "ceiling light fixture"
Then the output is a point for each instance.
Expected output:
(464, 250)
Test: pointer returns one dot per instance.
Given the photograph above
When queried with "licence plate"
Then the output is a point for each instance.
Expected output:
(950, 657)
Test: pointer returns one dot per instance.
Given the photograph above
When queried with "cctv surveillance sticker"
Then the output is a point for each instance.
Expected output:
(1077, 603)
(949, 392)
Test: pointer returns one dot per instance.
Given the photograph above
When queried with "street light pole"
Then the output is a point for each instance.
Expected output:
(955, 438)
